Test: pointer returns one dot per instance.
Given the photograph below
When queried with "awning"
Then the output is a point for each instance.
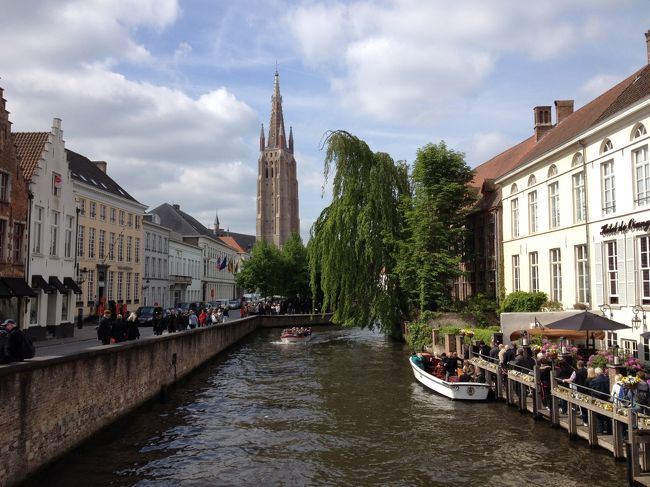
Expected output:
(5, 292)
(19, 287)
(54, 281)
(70, 285)
(39, 283)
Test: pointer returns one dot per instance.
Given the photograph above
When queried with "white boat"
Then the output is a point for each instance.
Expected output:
(464, 391)
(295, 334)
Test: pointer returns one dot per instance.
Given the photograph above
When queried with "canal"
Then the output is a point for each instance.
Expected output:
(343, 409)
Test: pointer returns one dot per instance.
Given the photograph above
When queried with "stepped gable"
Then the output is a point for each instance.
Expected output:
(29, 148)
(87, 172)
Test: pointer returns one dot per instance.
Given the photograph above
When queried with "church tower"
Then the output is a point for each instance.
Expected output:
(277, 185)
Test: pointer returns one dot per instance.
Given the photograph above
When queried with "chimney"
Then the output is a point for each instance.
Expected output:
(647, 44)
(563, 108)
(542, 121)
(176, 206)
(101, 165)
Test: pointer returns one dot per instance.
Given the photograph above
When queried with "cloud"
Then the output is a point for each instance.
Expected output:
(598, 84)
(484, 146)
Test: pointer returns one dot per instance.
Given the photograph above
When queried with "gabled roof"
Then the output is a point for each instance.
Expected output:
(244, 241)
(232, 243)
(180, 222)
(502, 163)
(86, 171)
(29, 147)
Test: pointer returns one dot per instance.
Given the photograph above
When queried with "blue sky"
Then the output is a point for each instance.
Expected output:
(171, 93)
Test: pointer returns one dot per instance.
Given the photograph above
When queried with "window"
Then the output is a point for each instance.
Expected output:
(109, 284)
(514, 213)
(612, 271)
(64, 307)
(579, 208)
(113, 211)
(120, 248)
(513, 189)
(644, 268)
(554, 204)
(136, 287)
(93, 209)
(120, 281)
(532, 212)
(611, 339)
(19, 233)
(3, 240)
(102, 244)
(552, 171)
(82, 207)
(67, 243)
(577, 159)
(121, 218)
(90, 277)
(33, 310)
(80, 241)
(160, 247)
(146, 241)
(608, 187)
(582, 274)
(4, 186)
(54, 233)
(102, 212)
(130, 220)
(129, 248)
(642, 175)
(533, 263)
(516, 280)
(137, 222)
(153, 243)
(146, 267)
(111, 246)
(639, 131)
(606, 146)
(91, 243)
(629, 347)
(532, 181)
(128, 286)
(37, 238)
(646, 349)
(556, 275)
(137, 250)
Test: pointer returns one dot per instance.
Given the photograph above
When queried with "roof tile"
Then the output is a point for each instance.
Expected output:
(29, 147)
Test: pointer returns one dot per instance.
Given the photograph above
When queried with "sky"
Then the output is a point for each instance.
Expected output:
(171, 93)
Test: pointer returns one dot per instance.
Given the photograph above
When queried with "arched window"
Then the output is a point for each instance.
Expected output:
(606, 146)
(638, 131)
(531, 180)
(577, 159)
(513, 189)
(552, 171)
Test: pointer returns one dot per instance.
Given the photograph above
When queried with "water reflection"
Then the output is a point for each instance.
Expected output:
(342, 409)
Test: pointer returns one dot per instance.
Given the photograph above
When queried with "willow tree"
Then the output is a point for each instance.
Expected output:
(353, 241)
(433, 245)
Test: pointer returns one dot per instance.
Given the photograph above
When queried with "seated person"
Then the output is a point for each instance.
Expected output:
(479, 375)
(439, 370)
(466, 376)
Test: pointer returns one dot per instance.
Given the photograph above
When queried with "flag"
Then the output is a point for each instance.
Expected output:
(230, 266)
(58, 181)
(218, 263)
(224, 262)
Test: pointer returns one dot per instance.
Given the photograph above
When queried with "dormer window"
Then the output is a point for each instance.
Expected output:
(513, 189)
(577, 159)
(532, 180)
(607, 146)
(639, 131)
(552, 171)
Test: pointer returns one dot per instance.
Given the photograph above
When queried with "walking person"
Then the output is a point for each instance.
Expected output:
(601, 390)
(132, 331)
(15, 343)
(193, 320)
(118, 330)
(104, 328)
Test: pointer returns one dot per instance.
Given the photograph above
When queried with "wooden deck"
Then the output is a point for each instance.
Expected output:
(522, 389)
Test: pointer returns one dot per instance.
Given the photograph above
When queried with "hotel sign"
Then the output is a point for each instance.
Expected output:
(623, 227)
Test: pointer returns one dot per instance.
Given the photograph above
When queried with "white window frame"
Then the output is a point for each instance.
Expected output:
(516, 273)
(554, 204)
(54, 233)
(514, 217)
(37, 237)
(533, 264)
(67, 243)
(582, 274)
(611, 267)
(555, 260)
(644, 268)
(579, 204)
(532, 212)
(641, 175)
(608, 187)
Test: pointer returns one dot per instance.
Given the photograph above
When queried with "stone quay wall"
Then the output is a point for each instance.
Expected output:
(50, 406)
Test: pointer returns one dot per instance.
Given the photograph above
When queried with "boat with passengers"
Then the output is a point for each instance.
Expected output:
(296, 334)
(426, 369)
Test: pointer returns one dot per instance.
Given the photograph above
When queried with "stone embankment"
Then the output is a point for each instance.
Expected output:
(51, 406)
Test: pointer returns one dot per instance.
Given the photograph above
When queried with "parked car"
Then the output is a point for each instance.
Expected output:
(234, 304)
(194, 306)
(145, 314)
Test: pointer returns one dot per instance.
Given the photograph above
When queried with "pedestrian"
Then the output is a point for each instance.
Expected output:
(104, 328)
(171, 321)
(600, 390)
(132, 331)
(14, 345)
(193, 320)
(118, 330)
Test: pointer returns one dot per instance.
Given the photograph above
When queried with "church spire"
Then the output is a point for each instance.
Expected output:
(216, 222)
(291, 139)
(262, 142)
(276, 125)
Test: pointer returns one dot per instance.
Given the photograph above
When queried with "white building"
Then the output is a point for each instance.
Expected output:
(155, 284)
(576, 209)
(53, 226)
(184, 271)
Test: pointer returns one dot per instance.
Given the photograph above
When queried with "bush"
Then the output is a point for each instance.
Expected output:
(553, 306)
(521, 301)
(418, 335)
(482, 308)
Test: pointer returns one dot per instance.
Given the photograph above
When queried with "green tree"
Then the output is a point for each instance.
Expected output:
(431, 252)
(353, 241)
(294, 271)
(263, 270)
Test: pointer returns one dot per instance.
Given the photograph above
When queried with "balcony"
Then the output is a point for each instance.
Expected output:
(176, 279)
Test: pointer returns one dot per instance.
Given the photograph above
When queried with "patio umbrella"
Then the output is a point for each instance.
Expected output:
(645, 335)
(555, 333)
(586, 321)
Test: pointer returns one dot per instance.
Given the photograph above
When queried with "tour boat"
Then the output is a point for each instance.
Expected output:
(295, 334)
(464, 391)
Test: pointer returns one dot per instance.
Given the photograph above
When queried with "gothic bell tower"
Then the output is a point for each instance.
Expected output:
(277, 184)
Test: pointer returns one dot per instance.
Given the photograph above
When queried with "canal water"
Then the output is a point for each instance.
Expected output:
(343, 409)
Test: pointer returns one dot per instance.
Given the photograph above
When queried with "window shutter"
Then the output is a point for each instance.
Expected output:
(630, 276)
(620, 257)
(598, 274)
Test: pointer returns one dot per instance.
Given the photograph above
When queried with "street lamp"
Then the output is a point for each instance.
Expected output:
(606, 307)
(145, 286)
(636, 321)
